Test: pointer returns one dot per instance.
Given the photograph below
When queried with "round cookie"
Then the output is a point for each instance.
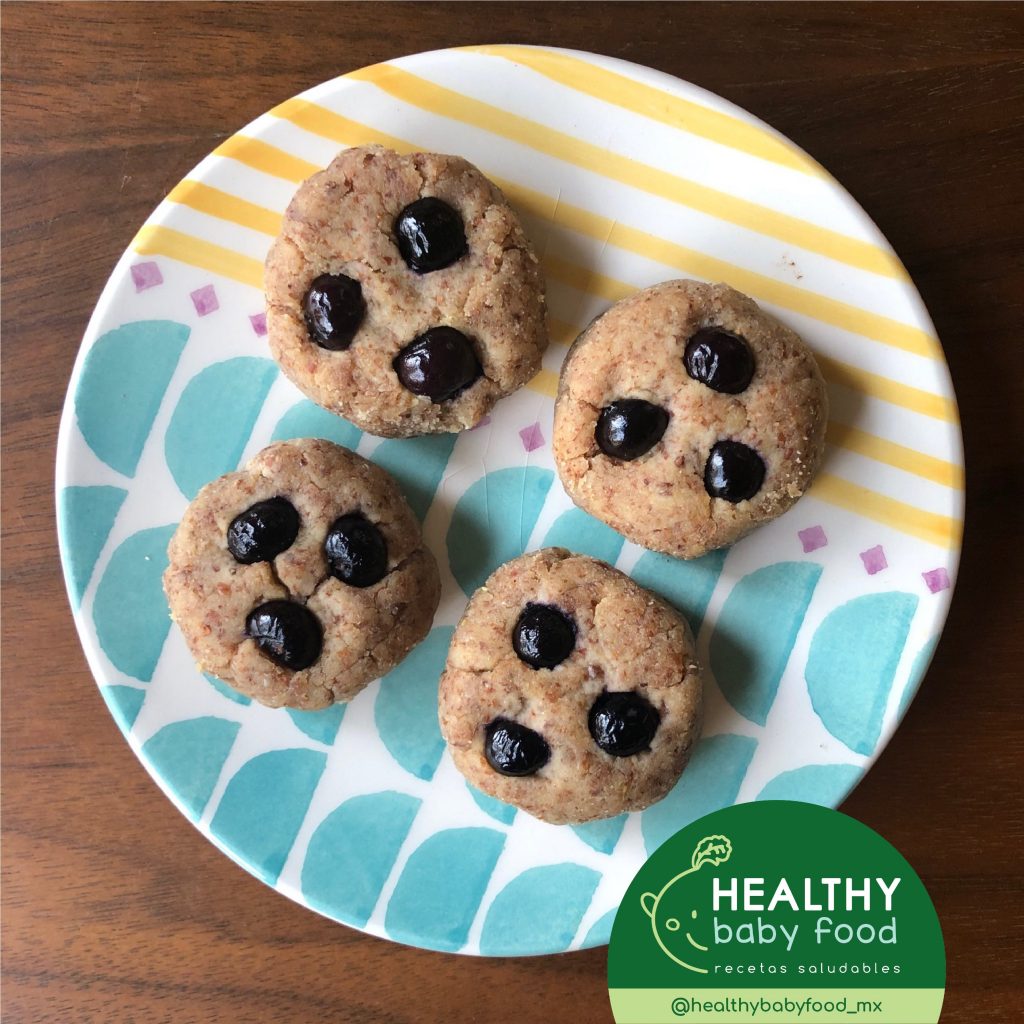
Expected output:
(569, 690)
(686, 416)
(403, 294)
(302, 577)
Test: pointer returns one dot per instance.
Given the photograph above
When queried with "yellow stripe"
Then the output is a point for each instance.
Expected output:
(321, 121)
(546, 382)
(929, 526)
(419, 92)
(656, 104)
(561, 331)
(897, 455)
(689, 261)
(154, 240)
(266, 158)
(161, 241)
(347, 132)
(855, 379)
(225, 206)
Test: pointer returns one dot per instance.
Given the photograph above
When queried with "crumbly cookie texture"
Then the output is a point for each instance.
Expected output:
(366, 631)
(627, 640)
(342, 221)
(636, 350)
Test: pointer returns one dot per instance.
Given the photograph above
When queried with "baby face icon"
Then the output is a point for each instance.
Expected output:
(674, 916)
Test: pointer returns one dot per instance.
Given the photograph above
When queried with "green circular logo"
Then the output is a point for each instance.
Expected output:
(776, 912)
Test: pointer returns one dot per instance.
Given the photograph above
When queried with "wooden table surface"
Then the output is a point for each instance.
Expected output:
(114, 907)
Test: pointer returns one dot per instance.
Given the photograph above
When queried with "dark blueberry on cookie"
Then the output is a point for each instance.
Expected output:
(438, 364)
(287, 633)
(514, 749)
(263, 531)
(356, 551)
(543, 636)
(430, 235)
(720, 359)
(733, 472)
(623, 724)
(334, 308)
(629, 428)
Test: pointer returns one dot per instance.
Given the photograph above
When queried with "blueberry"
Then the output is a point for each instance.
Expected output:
(513, 749)
(629, 428)
(356, 551)
(439, 364)
(289, 634)
(334, 309)
(430, 235)
(623, 724)
(720, 359)
(733, 472)
(263, 531)
(543, 636)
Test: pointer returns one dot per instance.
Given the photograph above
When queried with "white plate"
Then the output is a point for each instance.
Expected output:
(816, 630)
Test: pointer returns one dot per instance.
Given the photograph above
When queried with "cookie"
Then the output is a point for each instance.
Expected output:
(686, 416)
(403, 294)
(569, 690)
(302, 577)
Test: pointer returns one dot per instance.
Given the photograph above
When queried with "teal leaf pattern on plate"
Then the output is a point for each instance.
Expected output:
(85, 517)
(352, 853)
(189, 755)
(497, 809)
(321, 726)
(604, 834)
(441, 886)
(493, 520)
(406, 707)
(852, 663)
(600, 931)
(712, 780)
(227, 691)
(756, 631)
(539, 910)
(582, 533)
(207, 435)
(124, 377)
(130, 611)
(825, 784)
(307, 419)
(418, 464)
(124, 702)
(686, 585)
(262, 808)
(922, 660)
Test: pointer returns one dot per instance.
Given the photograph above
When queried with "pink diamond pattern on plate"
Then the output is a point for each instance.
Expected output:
(812, 538)
(936, 579)
(146, 275)
(874, 560)
(259, 323)
(205, 300)
(532, 437)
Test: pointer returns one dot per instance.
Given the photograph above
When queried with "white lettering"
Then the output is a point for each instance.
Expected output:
(783, 894)
(718, 892)
(830, 884)
(862, 894)
(752, 887)
(888, 890)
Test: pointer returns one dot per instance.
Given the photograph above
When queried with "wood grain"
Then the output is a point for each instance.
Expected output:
(115, 908)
